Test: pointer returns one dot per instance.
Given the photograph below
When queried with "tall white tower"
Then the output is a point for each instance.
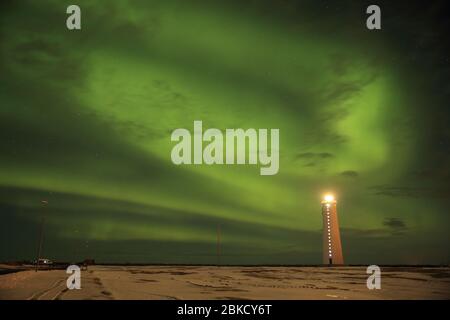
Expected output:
(332, 248)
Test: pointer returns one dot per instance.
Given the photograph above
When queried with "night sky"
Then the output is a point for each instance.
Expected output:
(86, 118)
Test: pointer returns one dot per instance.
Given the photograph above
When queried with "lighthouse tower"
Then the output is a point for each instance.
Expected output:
(332, 248)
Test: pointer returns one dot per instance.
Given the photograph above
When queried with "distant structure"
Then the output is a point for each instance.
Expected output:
(41, 237)
(332, 248)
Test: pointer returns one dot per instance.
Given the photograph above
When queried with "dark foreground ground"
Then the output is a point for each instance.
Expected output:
(208, 282)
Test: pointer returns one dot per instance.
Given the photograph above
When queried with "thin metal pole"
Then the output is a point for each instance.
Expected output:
(218, 244)
(41, 235)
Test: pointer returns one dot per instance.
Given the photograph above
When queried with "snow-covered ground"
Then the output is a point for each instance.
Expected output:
(207, 282)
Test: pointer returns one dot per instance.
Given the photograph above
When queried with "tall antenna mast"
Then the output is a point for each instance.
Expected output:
(41, 234)
(218, 244)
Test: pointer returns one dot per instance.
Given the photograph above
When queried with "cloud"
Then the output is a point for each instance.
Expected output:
(364, 233)
(349, 174)
(393, 227)
(313, 155)
(409, 192)
(396, 225)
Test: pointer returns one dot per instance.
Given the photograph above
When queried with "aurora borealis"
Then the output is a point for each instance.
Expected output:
(86, 118)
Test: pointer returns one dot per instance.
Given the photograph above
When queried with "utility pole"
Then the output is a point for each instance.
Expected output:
(218, 245)
(41, 234)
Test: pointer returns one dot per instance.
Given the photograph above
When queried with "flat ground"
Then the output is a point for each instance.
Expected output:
(207, 282)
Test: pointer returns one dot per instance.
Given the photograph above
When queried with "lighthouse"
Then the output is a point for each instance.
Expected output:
(332, 248)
